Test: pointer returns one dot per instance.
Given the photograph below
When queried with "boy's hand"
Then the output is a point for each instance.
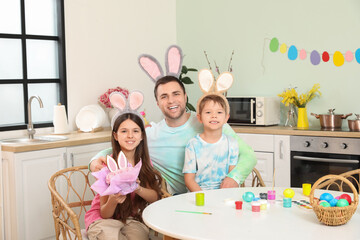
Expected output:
(97, 164)
(229, 183)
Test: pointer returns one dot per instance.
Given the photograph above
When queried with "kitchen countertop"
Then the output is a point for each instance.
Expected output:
(80, 138)
(74, 139)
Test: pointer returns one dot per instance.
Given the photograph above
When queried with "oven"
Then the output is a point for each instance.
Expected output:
(314, 157)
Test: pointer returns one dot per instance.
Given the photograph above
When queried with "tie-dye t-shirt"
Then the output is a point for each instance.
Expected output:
(210, 161)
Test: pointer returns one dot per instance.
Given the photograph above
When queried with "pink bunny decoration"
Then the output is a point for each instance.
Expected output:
(116, 177)
(129, 105)
(173, 62)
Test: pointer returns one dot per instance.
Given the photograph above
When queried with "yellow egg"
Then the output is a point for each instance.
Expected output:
(289, 193)
(338, 59)
(283, 48)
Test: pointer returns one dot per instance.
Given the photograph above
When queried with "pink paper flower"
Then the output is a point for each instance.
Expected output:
(104, 98)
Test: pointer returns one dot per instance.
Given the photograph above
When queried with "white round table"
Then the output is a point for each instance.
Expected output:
(226, 222)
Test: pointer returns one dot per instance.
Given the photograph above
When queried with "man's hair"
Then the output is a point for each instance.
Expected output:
(165, 80)
(216, 99)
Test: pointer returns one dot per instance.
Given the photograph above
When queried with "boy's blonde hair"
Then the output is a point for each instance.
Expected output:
(222, 101)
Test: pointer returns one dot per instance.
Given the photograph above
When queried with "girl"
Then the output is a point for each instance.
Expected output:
(119, 216)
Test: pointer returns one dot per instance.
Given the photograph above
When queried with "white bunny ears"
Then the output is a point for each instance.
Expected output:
(173, 62)
(209, 86)
(113, 166)
(129, 105)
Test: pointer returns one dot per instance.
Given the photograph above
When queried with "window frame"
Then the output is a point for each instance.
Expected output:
(25, 81)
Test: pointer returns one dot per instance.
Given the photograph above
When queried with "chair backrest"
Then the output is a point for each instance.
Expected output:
(256, 179)
(71, 197)
(353, 176)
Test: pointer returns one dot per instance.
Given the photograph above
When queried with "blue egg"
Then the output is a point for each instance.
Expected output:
(248, 196)
(326, 196)
(357, 55)
(333, 202)
(292, 53)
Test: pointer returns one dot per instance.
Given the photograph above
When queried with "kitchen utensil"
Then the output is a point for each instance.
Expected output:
(354, 125)
(90, 117)
(331, 120)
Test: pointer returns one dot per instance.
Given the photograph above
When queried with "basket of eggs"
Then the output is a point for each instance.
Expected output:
(332, 210)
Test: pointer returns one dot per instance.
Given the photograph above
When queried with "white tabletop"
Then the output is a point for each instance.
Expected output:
(226, 222)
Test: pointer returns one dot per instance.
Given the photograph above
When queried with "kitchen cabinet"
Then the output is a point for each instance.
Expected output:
(271, 151)
(27, 201)
(1, 201)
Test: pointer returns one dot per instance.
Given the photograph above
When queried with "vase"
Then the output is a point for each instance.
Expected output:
(291, 118)
(303, 122)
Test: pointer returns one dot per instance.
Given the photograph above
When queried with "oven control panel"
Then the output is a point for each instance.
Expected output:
(325, 145)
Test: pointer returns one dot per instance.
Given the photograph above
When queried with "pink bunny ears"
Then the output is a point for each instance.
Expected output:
(173, 62)
(209, 86)
(129, 105)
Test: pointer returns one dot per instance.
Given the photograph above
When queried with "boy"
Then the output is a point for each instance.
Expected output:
(210, 155)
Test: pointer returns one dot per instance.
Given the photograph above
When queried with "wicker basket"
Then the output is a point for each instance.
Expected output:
(333, 216)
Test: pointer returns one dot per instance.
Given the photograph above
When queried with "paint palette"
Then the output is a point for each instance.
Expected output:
(303, 204)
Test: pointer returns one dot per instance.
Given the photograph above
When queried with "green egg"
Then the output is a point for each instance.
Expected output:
(325, 204)
(342, 203)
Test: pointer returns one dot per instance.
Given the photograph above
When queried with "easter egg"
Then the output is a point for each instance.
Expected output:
(325, 204)
(346, 196)
(289, 193)
(342, 203)
(248, 196)
(326, 196)
(337, 197)
(333, 202)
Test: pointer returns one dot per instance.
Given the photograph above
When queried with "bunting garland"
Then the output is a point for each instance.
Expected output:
(316, 57)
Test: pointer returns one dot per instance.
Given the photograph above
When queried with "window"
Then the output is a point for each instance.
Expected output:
(32, 61)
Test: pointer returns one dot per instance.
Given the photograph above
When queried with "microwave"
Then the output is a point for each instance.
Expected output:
(260, 111)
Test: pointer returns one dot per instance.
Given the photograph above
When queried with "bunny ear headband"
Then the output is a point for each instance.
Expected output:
(209, 86)
(129, 105)
(173, 62)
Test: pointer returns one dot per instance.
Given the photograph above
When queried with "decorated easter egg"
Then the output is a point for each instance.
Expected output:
(346, 196)
(248, 196)
(342, 203)
(325, 204)
(326, 196)
(289, 193)
(337, 197)
(333, 202)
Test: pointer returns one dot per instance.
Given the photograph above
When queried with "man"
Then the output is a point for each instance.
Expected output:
(168, 138)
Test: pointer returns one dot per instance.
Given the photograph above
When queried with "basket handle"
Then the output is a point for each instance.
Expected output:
(336, 177)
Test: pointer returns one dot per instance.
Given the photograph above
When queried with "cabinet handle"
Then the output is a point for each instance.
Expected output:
(72, 159)
(281, 150)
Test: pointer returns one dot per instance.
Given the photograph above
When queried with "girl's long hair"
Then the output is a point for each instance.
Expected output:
(148, 176)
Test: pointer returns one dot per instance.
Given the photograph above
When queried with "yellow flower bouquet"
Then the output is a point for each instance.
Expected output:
(290, 96)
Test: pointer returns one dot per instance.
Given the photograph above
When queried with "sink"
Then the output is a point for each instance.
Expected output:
(37, 139)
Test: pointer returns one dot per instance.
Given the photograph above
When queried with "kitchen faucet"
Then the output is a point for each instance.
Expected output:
(30, 126)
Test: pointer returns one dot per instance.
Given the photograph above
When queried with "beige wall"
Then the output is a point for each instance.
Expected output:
(103, 41)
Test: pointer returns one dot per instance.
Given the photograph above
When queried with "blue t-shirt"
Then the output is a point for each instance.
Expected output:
(210, 161)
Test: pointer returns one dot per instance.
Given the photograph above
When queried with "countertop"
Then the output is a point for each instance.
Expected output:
(80, 138)
(74, 139)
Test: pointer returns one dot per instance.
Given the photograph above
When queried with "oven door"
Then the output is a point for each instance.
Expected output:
(242, 110)
(308, 167)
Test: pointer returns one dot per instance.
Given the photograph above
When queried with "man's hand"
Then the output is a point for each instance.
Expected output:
(97, 164)
(229, 183)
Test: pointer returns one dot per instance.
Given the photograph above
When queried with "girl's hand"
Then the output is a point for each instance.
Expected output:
(118, 198)
(138, 189)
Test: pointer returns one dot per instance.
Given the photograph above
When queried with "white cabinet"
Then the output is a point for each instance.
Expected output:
(27, 201)
(271, 151)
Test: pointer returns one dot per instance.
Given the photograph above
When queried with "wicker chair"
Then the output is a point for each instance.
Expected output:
(256, 181)
(70, 201)
(353, 176)
(71, 197)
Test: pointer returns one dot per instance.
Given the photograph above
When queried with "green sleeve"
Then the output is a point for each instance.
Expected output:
(102, 153)
(247, 159)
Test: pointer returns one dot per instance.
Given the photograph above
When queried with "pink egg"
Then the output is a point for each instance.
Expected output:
(338, 197)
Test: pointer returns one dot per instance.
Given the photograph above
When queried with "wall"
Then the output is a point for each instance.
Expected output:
(220, 26)
(103, 41)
